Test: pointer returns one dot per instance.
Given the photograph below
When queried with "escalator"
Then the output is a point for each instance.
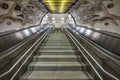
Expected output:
(56, 60)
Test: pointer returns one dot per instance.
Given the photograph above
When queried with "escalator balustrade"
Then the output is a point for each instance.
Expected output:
(56, 60)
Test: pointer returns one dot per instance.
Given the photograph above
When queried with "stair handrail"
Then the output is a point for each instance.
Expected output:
(16, 47)
(111, 56)
(76, 42)
(5, 73)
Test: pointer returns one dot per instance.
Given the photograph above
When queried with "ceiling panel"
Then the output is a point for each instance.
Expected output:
(58, 6)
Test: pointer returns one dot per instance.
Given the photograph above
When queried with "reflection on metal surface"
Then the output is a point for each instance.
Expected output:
(82, 30)
(57, 6)
(78, 28)
(74, 31)
(9, 40)
(88, 32)
(33, 30)
(19, 35)
(95, 36)
(109, 42)
(27, 33)
(77, 33)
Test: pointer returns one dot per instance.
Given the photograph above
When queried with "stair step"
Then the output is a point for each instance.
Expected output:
(56, 39)
(45, 48)
(56, 75)
(60, 40)
(51, 41)
(61, 35)
(57, 44)
(62, 47)
(55, 58)
(56, 66)
(56, 51)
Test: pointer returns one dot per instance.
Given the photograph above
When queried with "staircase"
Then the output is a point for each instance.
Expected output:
(56, 61)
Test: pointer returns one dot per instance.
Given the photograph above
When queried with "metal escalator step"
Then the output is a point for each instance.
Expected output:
(58, 39)
(47, 44)
(57, 42)
(46, 48)
(61, 50)
(55, 58)
(56, 51)
(56, 66)
(56, 47)
(57, 75)
(64, 40)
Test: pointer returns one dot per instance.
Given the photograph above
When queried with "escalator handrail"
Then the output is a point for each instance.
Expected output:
(110, 55)
(15, 31)
(5, 73)
(76, 42)
(101, 32)
(16, 48)
(30, 54)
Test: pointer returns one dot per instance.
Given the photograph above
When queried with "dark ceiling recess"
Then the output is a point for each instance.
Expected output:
(5, 6)
(111, 5)
(58, 6)
(73, 3)
(17, 7)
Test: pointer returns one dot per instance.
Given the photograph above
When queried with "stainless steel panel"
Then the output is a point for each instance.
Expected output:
(106, 40)
(11, 39)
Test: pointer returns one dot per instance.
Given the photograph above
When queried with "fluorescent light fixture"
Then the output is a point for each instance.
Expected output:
(57, 6)
(63, 18)
(53, 18)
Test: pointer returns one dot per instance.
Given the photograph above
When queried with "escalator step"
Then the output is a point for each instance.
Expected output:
(56, 66)
(56, 60)
(57, 75)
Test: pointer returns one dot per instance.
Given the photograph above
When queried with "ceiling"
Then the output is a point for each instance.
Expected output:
(58, 6)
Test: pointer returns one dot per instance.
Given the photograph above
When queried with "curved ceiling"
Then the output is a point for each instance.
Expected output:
(97, 14)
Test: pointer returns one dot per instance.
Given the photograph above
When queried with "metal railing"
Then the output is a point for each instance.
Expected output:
(34, 46)
(14, 48)
(78, 45)
(102, 38)
(110, 55)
